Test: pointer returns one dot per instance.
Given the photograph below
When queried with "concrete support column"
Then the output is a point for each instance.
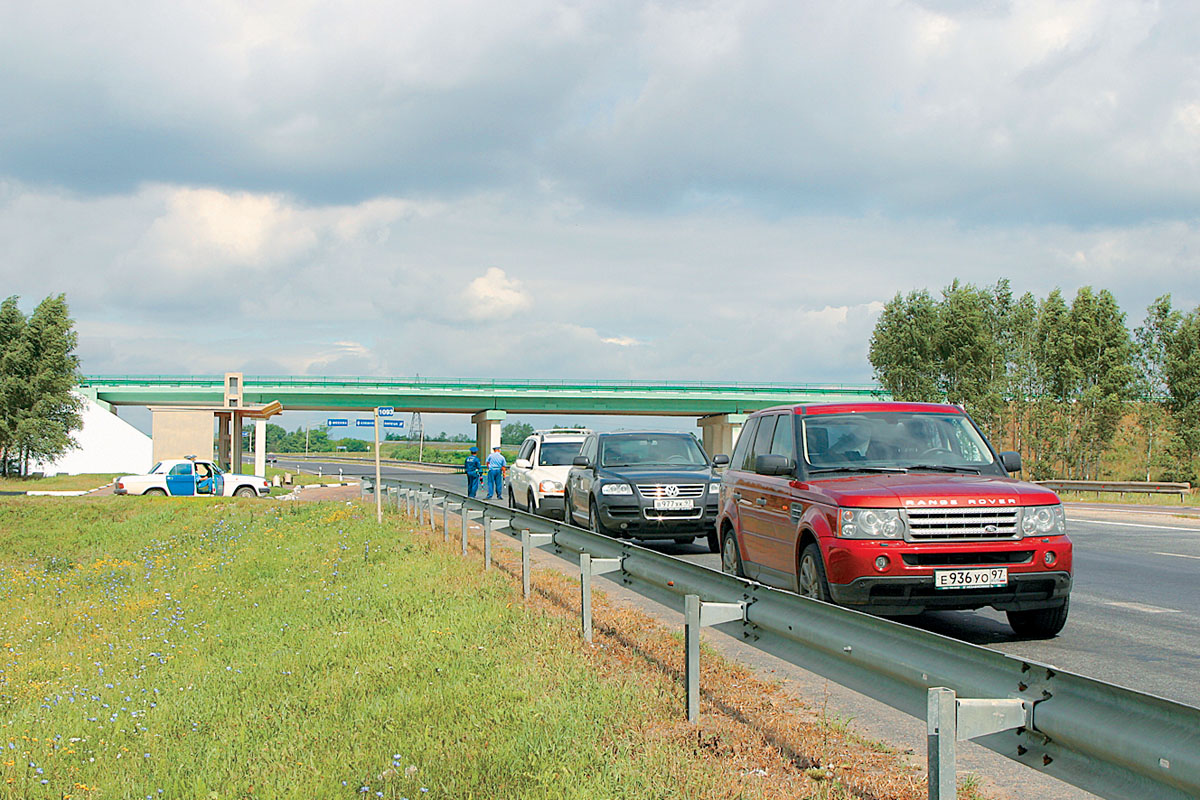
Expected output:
(260, 448)
(487, 430)
(223, 440)
(235, 442)
(720, 432)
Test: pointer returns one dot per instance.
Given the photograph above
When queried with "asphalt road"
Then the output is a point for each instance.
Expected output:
(1135, 621)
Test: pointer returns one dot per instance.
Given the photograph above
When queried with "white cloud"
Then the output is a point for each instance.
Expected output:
(494, 295)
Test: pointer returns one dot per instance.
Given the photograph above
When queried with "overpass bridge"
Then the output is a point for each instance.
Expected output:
(719, 407)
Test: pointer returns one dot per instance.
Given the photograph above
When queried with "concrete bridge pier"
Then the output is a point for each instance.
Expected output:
(720, 432)
(487, 429)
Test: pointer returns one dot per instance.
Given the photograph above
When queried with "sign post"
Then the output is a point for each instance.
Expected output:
(379, 412)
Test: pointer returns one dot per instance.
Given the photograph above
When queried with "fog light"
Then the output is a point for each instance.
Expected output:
(1049, 558)
(882, 563)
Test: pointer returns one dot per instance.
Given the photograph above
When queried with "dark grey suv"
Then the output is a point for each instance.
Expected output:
(645, 485)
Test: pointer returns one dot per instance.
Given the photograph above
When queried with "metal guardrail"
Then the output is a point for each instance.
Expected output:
(1111, 741)
(1133, 487)
(391, 462)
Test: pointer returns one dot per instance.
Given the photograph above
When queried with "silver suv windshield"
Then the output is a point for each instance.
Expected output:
(889, 441)
(651, 449)
(559, 454)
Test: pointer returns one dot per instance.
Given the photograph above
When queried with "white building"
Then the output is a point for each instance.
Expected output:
(106, 444)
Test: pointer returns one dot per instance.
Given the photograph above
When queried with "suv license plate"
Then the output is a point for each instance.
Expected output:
(672, 504)
(970, 578)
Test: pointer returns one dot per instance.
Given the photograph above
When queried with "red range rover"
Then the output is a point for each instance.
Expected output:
(893, 508)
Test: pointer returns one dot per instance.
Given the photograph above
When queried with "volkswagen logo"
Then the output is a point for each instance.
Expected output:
(672, 490)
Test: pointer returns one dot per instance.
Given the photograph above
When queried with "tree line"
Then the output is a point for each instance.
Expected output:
(38, 373)
(1052, 380)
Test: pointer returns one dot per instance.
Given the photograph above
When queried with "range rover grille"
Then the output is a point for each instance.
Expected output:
(654, 491)
(954, 524)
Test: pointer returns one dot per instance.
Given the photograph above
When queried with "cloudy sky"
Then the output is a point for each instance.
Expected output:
(613, 189)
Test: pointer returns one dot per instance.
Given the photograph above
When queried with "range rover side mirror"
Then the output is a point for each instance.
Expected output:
(774, 465)
(580, 461)
(720, 460)
(523, 463)
(1011, 461)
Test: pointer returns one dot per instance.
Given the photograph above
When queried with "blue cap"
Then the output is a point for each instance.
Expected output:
(474, 449)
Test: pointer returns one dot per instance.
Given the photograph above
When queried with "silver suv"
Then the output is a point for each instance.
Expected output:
(538, 474)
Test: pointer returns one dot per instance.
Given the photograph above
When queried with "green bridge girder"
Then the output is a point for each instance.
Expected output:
(447, 395)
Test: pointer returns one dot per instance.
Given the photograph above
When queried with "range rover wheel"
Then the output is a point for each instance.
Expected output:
(810, 577)
(1042, 623)
(714, 541)
(531, 503)
(731, 559)
(512, 501)
(155, 492)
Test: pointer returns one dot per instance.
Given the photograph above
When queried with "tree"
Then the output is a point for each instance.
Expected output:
(39, 367)
(12, 342)
(902, 348)
(515, 432)
(1182, 376)
(1152, 341)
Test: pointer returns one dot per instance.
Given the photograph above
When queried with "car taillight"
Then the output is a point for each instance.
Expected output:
(120, 486)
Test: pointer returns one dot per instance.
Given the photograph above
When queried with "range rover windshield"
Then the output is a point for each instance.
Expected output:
(559, 454)
(651, 450)
(894, 441)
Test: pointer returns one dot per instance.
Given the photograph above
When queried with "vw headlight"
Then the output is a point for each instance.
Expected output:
(549, 486)
(714, 488)
(1041, 520)
(616, 488)
(870, 523)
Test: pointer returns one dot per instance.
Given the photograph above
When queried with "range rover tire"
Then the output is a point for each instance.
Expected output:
(531, 503)
(731, 559)
(155, 493)
(810, 575)
(512, 501)
(1042, 623)
(245, 491)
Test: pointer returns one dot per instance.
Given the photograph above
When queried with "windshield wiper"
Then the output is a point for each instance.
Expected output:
(857, 469)
(944, 468)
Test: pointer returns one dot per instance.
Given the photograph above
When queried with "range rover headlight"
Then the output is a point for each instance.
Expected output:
(549, 486)
(1043, 520)
(616, 488)
(870, 523)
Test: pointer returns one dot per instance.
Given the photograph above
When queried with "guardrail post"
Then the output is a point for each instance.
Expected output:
(528, 542)
(431, 499)
(465, 522)
(445, 517)
(942, 723)
(696, 615)
(588, 567)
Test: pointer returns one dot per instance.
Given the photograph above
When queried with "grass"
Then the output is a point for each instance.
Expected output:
(56, 483)
(237, 648)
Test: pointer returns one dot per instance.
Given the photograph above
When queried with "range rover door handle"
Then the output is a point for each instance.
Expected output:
(760, 501)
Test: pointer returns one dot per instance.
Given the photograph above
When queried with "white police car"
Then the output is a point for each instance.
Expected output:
(191, 477)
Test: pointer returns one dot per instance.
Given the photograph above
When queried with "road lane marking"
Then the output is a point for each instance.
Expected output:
(1145, 608)
(1178, 555)
(1138, 525)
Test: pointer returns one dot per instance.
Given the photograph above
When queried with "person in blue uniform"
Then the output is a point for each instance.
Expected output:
(473, 468)
(497, 465)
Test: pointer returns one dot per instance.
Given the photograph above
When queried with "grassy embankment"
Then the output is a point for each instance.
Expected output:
(55, 483)
(242, 649)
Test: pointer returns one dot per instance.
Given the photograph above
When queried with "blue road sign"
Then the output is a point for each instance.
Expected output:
(393, 423)
(364, 423)
(386, 411)
(337, 423)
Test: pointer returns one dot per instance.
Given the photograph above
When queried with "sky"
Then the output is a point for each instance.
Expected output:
(723, 191)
